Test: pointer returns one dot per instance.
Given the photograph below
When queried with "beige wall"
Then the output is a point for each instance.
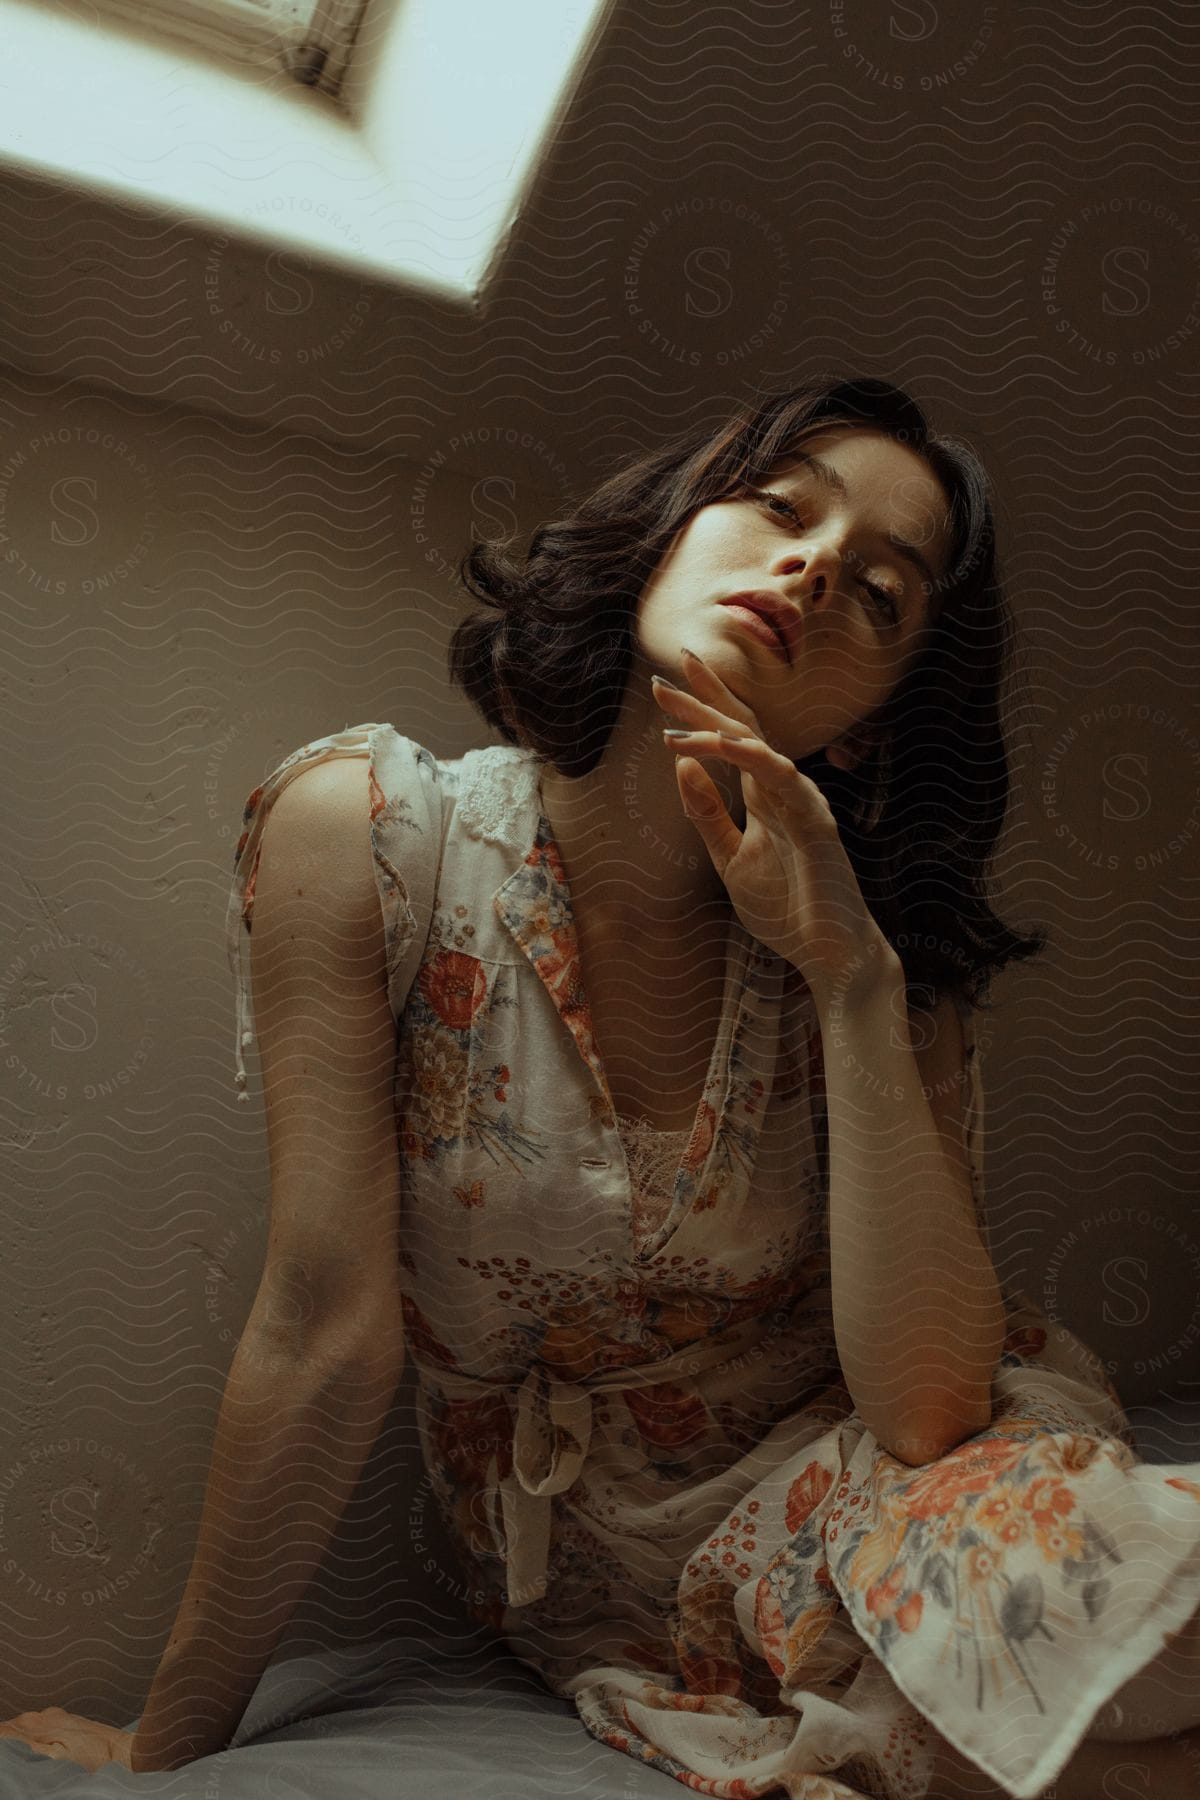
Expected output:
(185, 603)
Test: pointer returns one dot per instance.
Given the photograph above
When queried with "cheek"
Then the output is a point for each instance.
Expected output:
(679, 566)
(705, 561)
(715, 540)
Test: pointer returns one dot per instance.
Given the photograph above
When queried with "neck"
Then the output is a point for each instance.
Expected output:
(633, 858)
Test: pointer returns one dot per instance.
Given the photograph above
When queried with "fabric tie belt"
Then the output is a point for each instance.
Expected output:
(552, 1435)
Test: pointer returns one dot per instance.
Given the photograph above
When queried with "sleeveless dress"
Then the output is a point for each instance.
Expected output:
(630, 1407)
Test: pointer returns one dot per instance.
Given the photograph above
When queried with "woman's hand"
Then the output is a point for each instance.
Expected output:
(69, 1738)
(788, 876)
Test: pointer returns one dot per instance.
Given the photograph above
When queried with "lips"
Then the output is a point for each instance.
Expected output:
(780, 614)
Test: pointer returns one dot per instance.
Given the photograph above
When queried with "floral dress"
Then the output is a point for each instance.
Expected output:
(631, 1411)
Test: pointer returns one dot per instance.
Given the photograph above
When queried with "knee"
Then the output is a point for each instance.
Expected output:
(1160, 1698)
(1124, 1720)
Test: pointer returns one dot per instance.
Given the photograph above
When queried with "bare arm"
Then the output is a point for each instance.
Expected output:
(319, 1360)
(919, 1316)
(289, 1448)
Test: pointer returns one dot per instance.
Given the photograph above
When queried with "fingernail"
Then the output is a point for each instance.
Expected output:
(702, 807)
(686, 652)
(676, 733)
(663, 682)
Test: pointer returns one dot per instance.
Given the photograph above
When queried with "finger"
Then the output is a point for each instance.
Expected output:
(703, 676)
(702, 798)
(776, 772)
(711, 695)
(680, 704)
(705, 808)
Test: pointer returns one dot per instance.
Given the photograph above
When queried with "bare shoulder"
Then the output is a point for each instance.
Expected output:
(317, 844)
(326, 1040)
(328, 797)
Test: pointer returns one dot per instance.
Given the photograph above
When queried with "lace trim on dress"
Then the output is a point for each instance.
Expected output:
(653, 1157)
(496, 786)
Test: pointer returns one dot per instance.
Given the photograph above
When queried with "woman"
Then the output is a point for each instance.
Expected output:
(741, 1444)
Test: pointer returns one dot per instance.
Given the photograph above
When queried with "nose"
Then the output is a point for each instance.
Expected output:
(817, 568)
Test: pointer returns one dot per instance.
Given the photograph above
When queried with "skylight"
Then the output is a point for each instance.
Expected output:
(310, 40)
(413, 172)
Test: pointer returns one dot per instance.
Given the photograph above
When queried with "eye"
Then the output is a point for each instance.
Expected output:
(780, 500)
(886, 602)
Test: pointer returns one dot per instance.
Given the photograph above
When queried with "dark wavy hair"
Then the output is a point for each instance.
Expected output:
(547, 661)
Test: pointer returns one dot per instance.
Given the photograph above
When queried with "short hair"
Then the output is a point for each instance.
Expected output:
(547, 662)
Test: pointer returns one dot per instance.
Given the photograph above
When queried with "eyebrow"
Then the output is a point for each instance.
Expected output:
(829, 478)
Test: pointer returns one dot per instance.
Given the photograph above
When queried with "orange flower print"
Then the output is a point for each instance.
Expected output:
(418, 1332)
(770, 1625)
(874, 1555)
(711, 1674)
(601, 1111)
(883, 1599)
(806, 1494)
(787, 1642)
(378, 799)
(469, 1433)
(1057, 1542)
(707, 1640)
(554, 861)
(455, 987)
(945, 1531)
(1076, 1454)
(440, 1081)
(996, 1511)
(1012, 1532)
(980, 1565)
(758, 1089)
(1184, 1485)
(414, 1144)
(971, 1469)
(1003, 1518)
(1025, 1340)
(573, 1340)
(557, 967)
(908, 1613)
(1047, 1500)
(686, 1321)
(248, 897)
(667, 1416)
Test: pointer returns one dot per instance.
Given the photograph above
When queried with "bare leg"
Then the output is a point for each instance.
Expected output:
(1165, 1768)
(1148, 1735)
(1163, 1697)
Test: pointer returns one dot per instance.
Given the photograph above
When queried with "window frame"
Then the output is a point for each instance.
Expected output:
(311, 41)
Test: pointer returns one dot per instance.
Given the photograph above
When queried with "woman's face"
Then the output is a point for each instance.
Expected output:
(815, 547)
